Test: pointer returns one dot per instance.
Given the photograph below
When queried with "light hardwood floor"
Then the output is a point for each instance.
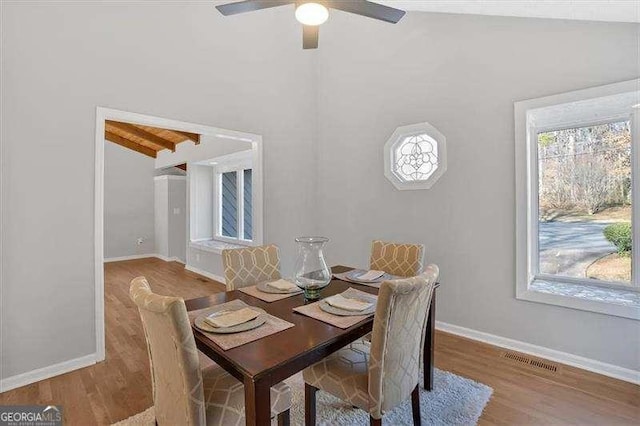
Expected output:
(121, 386)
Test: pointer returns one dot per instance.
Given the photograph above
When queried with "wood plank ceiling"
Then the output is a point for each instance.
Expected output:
(145, 139)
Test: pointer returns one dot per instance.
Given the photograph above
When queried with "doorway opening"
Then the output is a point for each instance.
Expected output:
(176, 148)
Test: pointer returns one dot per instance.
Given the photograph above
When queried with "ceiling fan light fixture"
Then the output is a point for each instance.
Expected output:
(311, 13)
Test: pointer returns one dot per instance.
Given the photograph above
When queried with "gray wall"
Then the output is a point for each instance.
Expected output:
(170, 59)
(161, 216)
(171, 216)
(178, 219)
(184, 61)
(462, 74)
(128, 202)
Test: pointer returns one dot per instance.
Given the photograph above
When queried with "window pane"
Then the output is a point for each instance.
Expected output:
(229, 205)
(584, 182)
(416, 158)
(248, 212)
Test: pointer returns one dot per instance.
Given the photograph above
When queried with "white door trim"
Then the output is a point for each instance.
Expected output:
(103, 114)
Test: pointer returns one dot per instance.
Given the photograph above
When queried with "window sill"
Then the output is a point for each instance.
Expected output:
(616, 302)
(213, 246)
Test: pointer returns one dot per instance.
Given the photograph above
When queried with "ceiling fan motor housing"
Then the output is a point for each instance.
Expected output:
(312, 13)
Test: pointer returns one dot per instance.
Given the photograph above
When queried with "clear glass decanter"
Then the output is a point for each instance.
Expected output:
(311, 271)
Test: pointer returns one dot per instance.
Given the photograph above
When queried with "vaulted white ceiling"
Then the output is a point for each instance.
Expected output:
(588, 10)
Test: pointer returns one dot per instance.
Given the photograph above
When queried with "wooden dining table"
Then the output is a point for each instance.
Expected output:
(267, 361)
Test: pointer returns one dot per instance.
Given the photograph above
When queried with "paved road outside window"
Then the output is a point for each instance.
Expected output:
(568, 248)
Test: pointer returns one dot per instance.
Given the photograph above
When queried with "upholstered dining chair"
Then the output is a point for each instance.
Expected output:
(184, 393)
(247, 266)
(402, 260)
(378, 377)
(399, 259)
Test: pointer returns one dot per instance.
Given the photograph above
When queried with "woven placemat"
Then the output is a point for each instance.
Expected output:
(267, 297)
(313, 310)
(228, 341)
(344, 276)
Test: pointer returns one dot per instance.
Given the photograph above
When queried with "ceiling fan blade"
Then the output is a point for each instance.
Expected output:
(310, 36)
(368, 9)
(250, 6)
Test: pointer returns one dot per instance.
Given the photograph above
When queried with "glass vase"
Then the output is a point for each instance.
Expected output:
(311, 271)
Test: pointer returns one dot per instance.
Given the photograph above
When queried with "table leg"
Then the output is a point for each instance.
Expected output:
(257, 401)
(429, 344)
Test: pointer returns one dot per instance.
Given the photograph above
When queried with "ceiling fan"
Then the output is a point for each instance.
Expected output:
(312, 13)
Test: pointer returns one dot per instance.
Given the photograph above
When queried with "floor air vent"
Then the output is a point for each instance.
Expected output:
(532, 362)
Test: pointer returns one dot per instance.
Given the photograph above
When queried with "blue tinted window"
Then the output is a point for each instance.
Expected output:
(247, 205)
(229, 205)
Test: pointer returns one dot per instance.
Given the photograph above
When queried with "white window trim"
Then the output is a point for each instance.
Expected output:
(236, 162)
(526, 203)
(213, 246)
(389, 155)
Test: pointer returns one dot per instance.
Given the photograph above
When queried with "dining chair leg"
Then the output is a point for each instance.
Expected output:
(415, 405)
(284, 418)
(429, 344)
(375, 422)
(309, 405)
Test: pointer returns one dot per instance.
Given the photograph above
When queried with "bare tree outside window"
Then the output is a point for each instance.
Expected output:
(584, 180)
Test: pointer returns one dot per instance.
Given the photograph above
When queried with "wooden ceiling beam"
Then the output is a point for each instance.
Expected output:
(127, 143)
(142, 134)
(191, 136)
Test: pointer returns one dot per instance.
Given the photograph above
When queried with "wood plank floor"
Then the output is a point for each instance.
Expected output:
(121, 386)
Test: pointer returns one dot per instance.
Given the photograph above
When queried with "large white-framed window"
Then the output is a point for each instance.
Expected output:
(577, 192)
(233, 199)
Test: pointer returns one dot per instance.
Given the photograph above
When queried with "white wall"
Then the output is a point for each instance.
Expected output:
(180, 60)
(200, 202)
(461, 74)
(128, 202)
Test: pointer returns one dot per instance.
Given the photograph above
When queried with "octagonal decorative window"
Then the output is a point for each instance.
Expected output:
(415, 156)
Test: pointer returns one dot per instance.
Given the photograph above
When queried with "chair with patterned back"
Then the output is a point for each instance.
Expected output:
(183, 392)
(247, 266)
(378, 377)
(402, 260)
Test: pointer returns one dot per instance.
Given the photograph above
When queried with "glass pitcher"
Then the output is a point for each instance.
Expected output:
(311, 271)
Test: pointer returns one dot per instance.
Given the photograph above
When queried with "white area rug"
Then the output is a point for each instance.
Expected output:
(454, 401)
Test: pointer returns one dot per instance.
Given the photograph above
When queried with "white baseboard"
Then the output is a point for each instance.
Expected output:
(204, 273)
(143, 256)
(168, 259)
(43, 373)
(588, 364)
(132, 257)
